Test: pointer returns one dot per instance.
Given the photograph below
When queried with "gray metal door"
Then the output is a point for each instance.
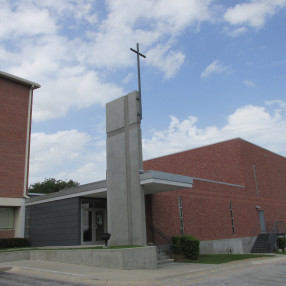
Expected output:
(261, 220)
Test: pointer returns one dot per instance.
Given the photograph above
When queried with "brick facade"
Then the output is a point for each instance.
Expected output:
(206, 207)
(15, 125)
(7, 233)
(14, 99)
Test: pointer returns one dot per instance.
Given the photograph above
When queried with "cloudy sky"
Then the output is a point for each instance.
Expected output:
(215, 70)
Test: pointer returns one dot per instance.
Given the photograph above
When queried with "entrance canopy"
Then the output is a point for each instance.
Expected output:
(152, 182)
(156, 182)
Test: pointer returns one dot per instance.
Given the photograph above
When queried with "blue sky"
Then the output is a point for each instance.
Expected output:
(215, 70)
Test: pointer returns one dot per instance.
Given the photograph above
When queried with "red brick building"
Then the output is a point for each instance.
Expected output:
(16, 96)
(240, 191)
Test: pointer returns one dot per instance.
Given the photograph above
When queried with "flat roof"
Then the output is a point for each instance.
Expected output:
(157, 182)
(97, 189)
(152, 181)
(20, 80)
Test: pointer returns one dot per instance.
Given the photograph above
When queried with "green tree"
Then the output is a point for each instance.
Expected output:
(51, 185)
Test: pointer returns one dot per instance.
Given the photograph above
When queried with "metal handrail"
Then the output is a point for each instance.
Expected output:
(161, 233)
(254, 232)
(165, 244)
(278, 227)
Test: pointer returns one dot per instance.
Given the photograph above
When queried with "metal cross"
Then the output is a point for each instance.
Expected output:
(139, 81)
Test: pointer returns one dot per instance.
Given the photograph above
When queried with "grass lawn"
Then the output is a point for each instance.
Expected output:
(218, 258)
(281, 252)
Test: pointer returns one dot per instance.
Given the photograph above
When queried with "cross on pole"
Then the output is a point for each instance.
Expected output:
(139, 81)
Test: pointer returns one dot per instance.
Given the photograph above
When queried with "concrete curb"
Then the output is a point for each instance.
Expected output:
(3, 269)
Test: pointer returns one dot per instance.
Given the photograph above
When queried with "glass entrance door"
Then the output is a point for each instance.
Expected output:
(87, 226)
(93, 221)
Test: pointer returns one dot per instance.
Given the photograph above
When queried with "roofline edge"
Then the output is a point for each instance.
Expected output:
(21, 80)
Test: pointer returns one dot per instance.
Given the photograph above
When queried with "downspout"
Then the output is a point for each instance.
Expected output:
(28, 140)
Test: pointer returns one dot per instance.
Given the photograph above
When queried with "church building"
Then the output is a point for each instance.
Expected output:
(225, 194)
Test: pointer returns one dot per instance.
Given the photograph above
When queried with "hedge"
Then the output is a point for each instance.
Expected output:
(176, 244)
(187, 245)
(281, 242)
(13, 242)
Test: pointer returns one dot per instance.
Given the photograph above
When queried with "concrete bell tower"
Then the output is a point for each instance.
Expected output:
(125, 195)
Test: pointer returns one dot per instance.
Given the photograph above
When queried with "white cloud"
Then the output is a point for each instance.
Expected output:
(214, 67)
(236, 31)
(165, 60)
(257, 124)
(249, 83)
(280, 103)
(253, 13)
(78, 89)
(128, 77)
(68, 46)
(152, 23)
(24, 20)
(68, 155)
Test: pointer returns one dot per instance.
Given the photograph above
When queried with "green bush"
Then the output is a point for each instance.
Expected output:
(190, 247)
(281, 242)
(13, 242)
(176, 244)
(187, 245)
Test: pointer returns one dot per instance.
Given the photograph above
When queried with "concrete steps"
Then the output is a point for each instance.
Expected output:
(163, 258)
(261, 244)
(165, 261)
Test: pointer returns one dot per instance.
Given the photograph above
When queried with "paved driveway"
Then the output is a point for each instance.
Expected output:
(267, 271)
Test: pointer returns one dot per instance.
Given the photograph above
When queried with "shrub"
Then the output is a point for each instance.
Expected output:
(281, 242)
(190, 246)
(176, 244)
(13, 242)
(187, 245)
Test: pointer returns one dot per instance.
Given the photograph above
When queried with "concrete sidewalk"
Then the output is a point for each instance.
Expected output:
(104, 276)
(71, 272)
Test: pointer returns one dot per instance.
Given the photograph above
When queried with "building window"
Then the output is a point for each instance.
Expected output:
(255, 178)
(6, 218)
(180, 201)
(281, 185)
(232, 218)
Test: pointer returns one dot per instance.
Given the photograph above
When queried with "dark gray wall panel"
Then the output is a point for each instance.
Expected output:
(55, 223)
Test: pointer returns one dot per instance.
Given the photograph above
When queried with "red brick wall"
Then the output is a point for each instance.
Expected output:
(206, 207)
(7, 233)
(267, 165)
(220, 162)
(14, 99)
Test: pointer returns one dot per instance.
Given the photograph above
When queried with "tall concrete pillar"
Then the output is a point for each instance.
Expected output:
(125, 196)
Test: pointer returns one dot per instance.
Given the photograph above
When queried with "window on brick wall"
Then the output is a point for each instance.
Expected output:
(6, 218)
(232, 218)
(181, 217)
(281, 185)
(255, 178)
